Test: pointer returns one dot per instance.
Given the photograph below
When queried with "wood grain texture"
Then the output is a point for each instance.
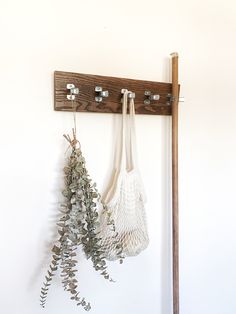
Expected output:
(85, 101)
(175, 195)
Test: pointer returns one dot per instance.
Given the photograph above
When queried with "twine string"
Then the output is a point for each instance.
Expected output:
(72, 141)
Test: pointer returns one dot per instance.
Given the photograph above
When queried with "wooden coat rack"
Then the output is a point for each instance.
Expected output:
(165, 104)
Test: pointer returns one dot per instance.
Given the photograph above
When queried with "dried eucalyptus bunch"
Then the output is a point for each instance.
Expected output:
(77, 226)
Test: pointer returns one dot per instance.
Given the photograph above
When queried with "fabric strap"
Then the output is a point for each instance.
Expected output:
(128, 156)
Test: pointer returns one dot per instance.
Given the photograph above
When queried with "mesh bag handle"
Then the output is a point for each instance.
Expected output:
(128, 147)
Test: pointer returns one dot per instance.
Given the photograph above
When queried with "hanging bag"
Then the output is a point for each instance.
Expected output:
(125, 198)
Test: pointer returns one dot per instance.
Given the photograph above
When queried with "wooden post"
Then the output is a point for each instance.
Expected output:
(175, 200)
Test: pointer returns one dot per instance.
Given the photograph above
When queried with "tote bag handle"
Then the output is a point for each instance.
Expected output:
(128, 147)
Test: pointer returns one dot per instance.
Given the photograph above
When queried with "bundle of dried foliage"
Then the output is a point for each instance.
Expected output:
(78, 226)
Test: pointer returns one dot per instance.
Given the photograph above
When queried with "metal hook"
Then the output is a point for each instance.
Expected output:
(130, 94)
(73, 91)
(171, 98)
(101, 93)
(150, 97)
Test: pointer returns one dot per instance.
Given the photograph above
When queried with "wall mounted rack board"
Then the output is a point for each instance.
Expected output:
(165, 104)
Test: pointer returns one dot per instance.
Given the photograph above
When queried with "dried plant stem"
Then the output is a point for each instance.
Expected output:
(77, 226)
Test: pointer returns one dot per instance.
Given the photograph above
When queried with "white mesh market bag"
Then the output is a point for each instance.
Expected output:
(125, 198)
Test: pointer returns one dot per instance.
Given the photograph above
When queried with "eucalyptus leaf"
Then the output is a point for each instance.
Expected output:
(77, 226)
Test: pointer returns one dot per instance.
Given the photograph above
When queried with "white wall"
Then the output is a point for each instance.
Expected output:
(128, 39)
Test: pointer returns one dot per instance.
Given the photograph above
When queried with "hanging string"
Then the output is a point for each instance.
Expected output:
(72, 141)
(74, 115)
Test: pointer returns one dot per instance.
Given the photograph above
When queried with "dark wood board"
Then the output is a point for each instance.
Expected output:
(85, 101)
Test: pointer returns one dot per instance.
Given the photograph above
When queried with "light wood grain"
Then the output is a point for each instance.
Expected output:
(175, 198)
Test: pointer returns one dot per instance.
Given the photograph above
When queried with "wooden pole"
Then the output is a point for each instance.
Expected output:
(175, 198)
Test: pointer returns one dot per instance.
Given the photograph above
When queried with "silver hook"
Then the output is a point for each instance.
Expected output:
(150, 97)
(101, 93)
(73, 91)
(130, 94)
(171, 98)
